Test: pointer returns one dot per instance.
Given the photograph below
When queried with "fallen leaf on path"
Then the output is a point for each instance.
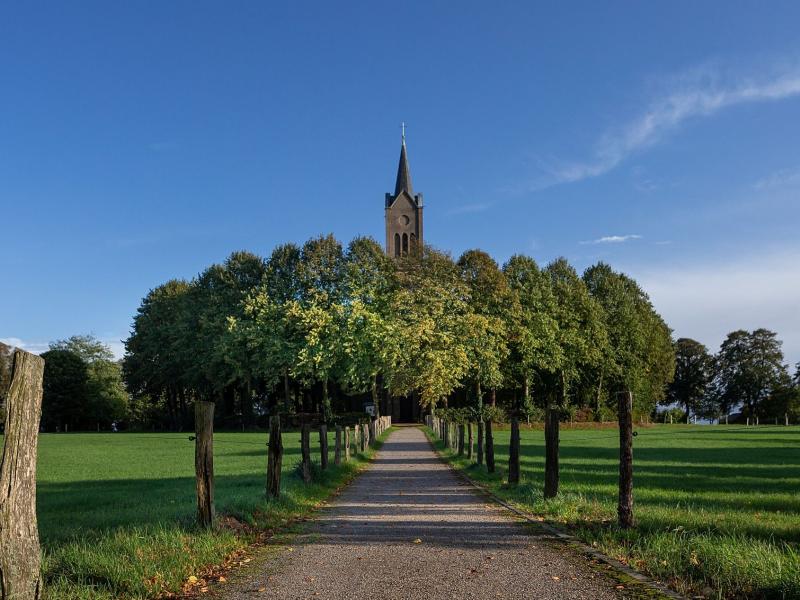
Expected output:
(417, 541)
(556, 578)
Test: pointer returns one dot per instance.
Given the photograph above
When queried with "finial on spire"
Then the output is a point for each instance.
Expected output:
(403, 129)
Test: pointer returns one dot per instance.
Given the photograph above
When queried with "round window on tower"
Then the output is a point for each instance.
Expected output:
(403, 220)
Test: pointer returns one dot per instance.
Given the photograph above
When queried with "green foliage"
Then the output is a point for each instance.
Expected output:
(638, 356)
(749, 369)
(694, 370)
(82, 387)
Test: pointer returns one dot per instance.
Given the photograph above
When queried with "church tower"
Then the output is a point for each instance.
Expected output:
(403, 211)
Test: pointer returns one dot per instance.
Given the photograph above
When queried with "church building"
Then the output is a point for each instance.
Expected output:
(403, 211)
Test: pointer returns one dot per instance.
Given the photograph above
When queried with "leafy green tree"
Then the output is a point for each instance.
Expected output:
(749, 368)
(87, 347)
(583, 340)
(107, 397)
(65, 390)
(532, 327)
(159, 353)
(638, 357)
(369, 280)
(694, 372)
(426, 349)
(318, 315)
(490, 304)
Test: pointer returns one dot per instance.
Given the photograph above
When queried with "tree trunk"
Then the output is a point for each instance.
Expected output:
(375, 399)
(480, 442)
(275, 457)
(326, 402)
(21, 377)
(347, 443)
(287, 402)
(470, 441)
(204, 461)
(625, 505)
(323, 446)
(493, 397)
(513, 453)
(305, 451)
(461, 439)
(551, 425)
(337, 453)
(489, 447)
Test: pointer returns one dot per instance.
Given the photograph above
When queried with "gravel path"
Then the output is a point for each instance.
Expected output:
(409, 528)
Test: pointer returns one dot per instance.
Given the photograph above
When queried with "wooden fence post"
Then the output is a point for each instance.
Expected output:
(513, 453)
(204, 461)
(551, 433)
(323, 446)
(21, 375)
(305, 451)
(470, 441)
(337, 452)
(275, 457)
(625, 506)
(480, 442)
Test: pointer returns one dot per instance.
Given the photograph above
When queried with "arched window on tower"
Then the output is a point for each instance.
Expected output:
(405, 244)
(397, 244)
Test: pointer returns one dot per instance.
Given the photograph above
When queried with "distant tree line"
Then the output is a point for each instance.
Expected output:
(321, 328)
(83, 387)
(747, 378)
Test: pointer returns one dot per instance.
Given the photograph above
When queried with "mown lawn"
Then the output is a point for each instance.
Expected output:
(116, 510)
(718, 507)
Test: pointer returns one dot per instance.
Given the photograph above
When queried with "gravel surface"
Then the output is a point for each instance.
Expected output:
(409, 528)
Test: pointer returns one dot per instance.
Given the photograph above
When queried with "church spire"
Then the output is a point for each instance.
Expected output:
(403, 170)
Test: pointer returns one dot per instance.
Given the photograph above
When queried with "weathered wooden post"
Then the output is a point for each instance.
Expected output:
(625, 505)
(305, 451)
(470, 440)
(489, 447)
(337, 452)
(275, 457)
(21, 375)
(204, 461)
(347, 443)
(461, 439)
(480, 441)
(551, 434)
(323, 446)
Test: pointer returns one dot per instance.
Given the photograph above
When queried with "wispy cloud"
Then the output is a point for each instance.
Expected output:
(706, 300)
(34, 347)
(116, 346)
(701, 93)
(613, 239)
(781, 178)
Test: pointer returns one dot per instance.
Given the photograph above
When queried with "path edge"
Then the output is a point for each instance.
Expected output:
(555, 530)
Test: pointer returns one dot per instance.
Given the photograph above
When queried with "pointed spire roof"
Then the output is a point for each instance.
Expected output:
(403, 171)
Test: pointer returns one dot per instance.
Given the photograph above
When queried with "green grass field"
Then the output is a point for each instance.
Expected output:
(718, 507)
(116, 510)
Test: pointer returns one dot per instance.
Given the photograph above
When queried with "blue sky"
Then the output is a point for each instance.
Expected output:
(144, 141)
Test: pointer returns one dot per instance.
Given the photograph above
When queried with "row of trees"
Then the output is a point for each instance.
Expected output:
(313, 327)
(748, 374)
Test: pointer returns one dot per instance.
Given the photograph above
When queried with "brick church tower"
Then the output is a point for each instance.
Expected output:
(403, 211)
